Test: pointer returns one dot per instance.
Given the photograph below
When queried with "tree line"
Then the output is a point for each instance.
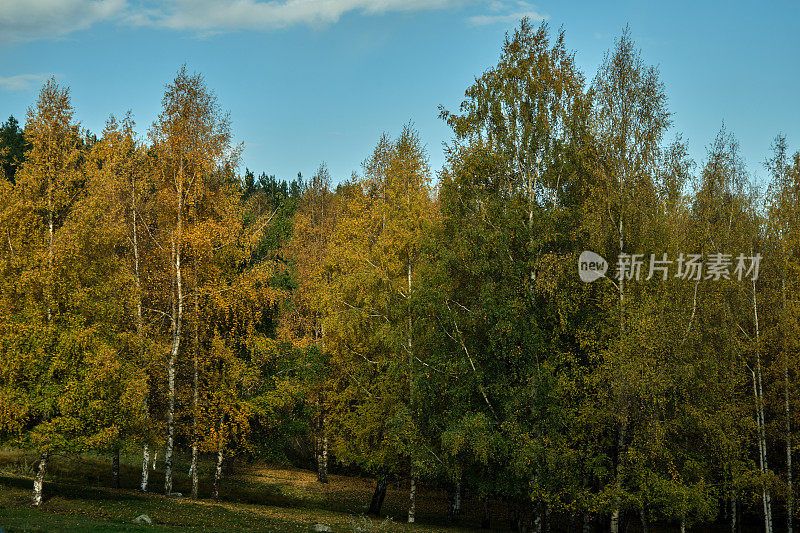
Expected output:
(413, 329)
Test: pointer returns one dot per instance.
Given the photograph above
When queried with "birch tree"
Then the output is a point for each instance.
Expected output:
(192, 139)
(629, 120)
(369, 329)
(780, 281)
(48, 181)
(303, 321)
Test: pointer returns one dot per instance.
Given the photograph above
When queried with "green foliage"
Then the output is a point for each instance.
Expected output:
(12, 148)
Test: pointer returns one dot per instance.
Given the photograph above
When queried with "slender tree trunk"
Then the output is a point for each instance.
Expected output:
(454, 506)
(765, 496)
(412, 493)
(615, 514)
(176, 341)
(788, 412)
(645, 523)
(412, 500)
(789, 484)
(115, 469)
(139, 325)
(378, 496)
(38, 480)
(759, 393)
(145, 467)
(218, 472)
(322, 456)
(193, 470)
(220, 455)
(195, 382)
(734, 515)
(177, 317)
(50, 231)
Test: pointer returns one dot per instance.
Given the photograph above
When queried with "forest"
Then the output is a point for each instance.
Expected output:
(417, 326)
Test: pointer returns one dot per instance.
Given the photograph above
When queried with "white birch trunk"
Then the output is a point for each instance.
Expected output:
(38, 480)
(325, 458)
(176, 333)
(195, 383)
(762, 439)
(218, 473)
(220, 455)
(412, 503)
(49, 247)
(145, 467)
(322, 455)
(176, 341)
(139, 327)
(412, 493)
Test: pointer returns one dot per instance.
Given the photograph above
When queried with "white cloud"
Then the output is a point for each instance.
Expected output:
(44, 19)
(230, 15)
(22, 82)
(38, 19)
(513, 13)
(497, 5)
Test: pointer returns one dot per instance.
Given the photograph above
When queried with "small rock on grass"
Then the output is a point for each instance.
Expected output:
(175, 495)
(143, 519)
(321, 528)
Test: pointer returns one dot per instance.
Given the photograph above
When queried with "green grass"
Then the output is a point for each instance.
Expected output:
(78, 497)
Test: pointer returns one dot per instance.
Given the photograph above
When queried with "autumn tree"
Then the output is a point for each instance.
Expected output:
(629, 119)
(120, 173)
(779, 273)
(192, 140)
(371, 319)
(48, 181)
(303, 317)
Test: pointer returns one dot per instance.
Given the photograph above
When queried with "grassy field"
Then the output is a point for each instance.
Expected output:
(79, 497)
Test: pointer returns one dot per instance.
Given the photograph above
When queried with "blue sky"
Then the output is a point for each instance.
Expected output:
(308, 81)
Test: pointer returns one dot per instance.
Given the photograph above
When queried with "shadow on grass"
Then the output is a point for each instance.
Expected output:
(88, 477)
(81, 488)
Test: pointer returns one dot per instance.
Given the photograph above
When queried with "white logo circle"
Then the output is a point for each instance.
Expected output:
(591, 266)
